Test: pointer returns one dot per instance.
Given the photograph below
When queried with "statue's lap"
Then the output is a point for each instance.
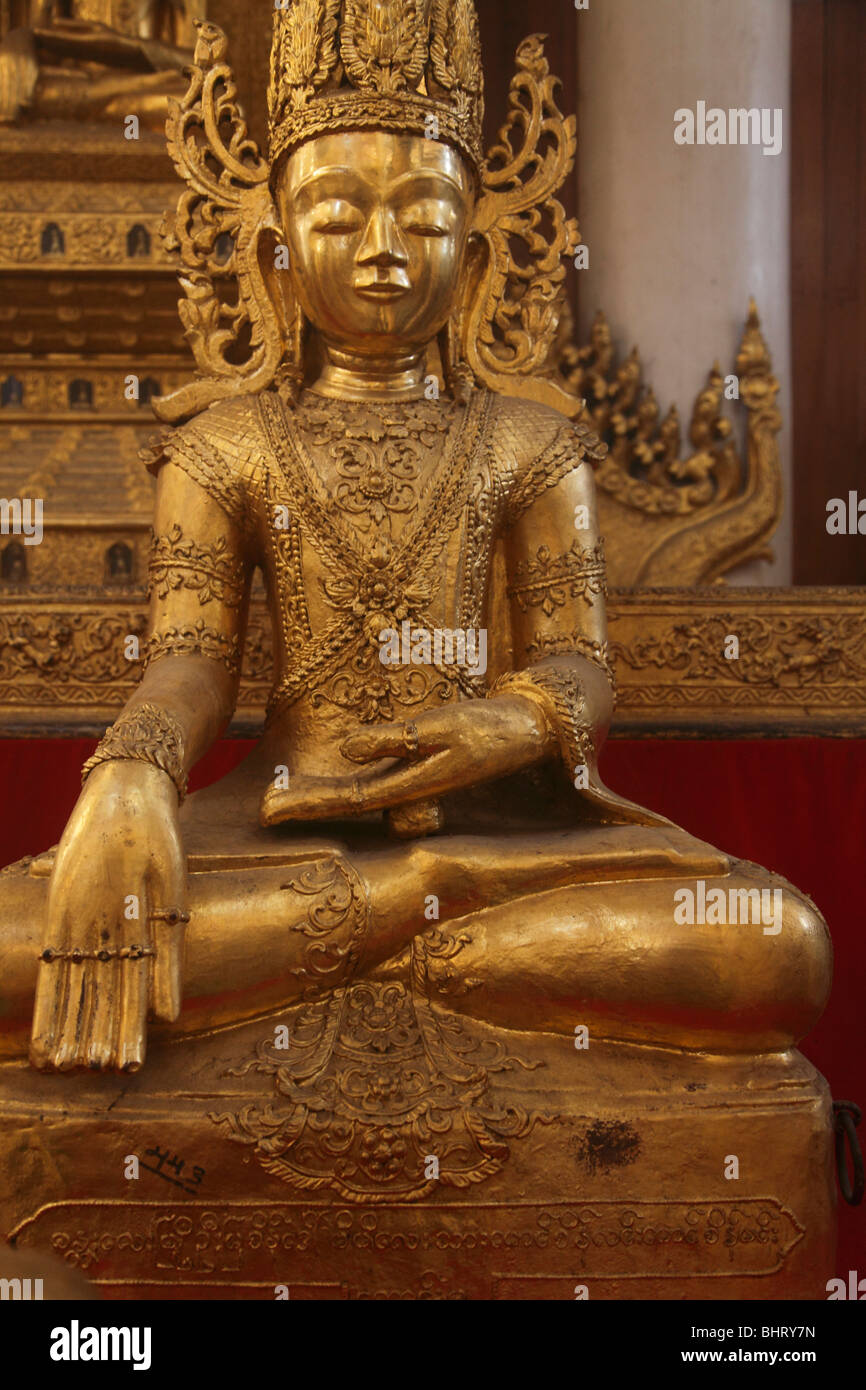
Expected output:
(561, 914)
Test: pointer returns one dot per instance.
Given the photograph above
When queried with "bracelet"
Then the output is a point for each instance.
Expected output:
(78, 954)
(559, 695)
(148, 735)
(172, 916)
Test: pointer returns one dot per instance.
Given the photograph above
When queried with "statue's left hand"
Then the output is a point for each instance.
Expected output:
(439, 751)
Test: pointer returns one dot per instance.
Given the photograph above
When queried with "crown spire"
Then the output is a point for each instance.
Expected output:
(410, 66)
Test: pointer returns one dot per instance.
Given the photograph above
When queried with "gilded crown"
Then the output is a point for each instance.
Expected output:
(409, 66)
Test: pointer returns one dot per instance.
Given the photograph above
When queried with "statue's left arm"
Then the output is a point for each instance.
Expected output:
(556, 593)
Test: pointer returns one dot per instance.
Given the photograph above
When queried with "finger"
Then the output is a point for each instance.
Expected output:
(409, 782)
(46, 1013)
(168, 916)
(383, 741)
(101, 1043)
(169, 933)
(132, 1016)
(67, 1054)
(309, 799)
(167, 990)
(132, 1044)
(81, 1023)
(96, 1027)
(406, 740)
(133, 981)
(50, 984)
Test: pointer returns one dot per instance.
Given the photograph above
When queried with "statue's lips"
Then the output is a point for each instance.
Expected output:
(382, 289)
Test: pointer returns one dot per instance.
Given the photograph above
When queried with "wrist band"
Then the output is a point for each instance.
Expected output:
(146, 734)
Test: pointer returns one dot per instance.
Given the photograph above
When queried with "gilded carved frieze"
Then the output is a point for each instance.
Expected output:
(34, 393)
(801, 666)
(72, 226)
(797, 666)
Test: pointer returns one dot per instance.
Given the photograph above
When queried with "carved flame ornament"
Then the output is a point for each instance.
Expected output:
(511, 322)
(668, 519)
(217, 228)
(373, 1082)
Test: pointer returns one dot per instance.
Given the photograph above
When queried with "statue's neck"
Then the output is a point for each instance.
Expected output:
(350, 376)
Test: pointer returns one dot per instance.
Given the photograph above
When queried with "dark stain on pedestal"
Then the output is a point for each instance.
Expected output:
(606, 1144)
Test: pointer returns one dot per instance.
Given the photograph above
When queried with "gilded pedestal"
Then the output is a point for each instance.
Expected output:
(619, 1186)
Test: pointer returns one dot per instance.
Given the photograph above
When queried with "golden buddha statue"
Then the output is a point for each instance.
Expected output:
(93, 60)
(416, 894)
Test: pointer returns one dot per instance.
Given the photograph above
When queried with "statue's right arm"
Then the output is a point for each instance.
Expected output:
(120, 876)
(200, 576)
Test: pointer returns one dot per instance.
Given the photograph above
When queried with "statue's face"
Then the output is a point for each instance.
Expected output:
(377, 226)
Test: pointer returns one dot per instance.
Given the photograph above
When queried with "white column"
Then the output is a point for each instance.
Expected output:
(680, 236)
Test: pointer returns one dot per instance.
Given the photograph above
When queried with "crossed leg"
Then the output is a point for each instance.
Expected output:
(550, 931)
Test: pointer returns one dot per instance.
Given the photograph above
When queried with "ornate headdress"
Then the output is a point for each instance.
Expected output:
(410, 66)
(403, 65)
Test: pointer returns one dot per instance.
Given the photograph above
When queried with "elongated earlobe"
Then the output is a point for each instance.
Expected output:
(459, 378)
(289, 376)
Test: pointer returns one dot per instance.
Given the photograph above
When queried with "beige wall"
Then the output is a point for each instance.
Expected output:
(680, 236)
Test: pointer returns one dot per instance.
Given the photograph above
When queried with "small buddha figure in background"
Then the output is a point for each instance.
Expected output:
(13, 563)
(118, 568)
(51, 242)
(411, 831)
(11, 392)
(80, 394)
(137, 241)
(105, 60)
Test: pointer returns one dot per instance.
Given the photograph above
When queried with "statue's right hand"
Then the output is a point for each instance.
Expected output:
(111, 950)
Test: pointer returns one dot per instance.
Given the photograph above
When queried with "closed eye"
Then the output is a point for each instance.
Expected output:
(425, 229)
(337, 218)
(338, 228)
(427, 217)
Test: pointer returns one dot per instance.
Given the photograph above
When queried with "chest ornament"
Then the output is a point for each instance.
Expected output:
(373, 580)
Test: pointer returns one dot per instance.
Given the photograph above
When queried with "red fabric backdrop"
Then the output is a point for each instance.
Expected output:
(796, 806)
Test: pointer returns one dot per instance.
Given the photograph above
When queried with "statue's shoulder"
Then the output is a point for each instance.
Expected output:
(230, 429)
(534, 446)
(227, 433)
(527, 427)
(221, 449)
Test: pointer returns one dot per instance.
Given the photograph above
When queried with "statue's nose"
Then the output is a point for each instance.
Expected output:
(382, 244)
